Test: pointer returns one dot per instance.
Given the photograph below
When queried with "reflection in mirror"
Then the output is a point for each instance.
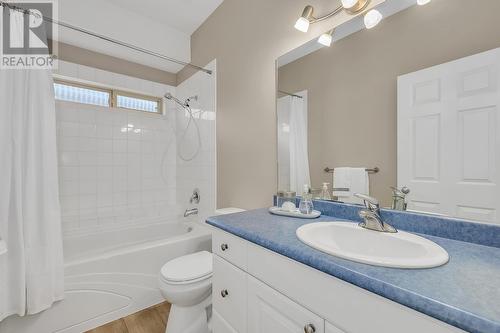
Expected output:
(416, 97)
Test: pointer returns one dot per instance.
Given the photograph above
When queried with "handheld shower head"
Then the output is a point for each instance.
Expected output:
(185, 104)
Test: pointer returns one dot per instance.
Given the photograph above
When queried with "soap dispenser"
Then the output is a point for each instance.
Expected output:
(306, 205)
(399, 198)
(325, 193)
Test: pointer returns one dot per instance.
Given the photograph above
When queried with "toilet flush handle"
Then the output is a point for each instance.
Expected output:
(224, 247)
(224, 293)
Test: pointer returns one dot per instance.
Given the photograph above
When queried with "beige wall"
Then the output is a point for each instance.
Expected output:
(352, 86)
(86, 57)
(247, 37)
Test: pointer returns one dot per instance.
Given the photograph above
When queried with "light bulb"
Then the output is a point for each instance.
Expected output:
(423, 2)
(325, 39)
(302, 24)
(372, 18)
(349, 3)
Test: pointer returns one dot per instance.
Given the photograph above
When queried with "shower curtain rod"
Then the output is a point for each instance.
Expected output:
(105, 38)
(289, 94)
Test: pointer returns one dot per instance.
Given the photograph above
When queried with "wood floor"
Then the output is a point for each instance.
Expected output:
(152, 320)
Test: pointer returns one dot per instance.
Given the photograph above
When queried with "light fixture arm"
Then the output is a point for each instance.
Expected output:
(308, 12)
(327, 16)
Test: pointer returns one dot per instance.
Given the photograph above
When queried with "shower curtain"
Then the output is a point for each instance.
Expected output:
(294, 110)
(31, 272)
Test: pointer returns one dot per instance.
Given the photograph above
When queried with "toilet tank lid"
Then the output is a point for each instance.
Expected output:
(229, 210)
(188, 268)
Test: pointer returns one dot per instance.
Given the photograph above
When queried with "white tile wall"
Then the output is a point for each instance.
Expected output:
(116, 167)
(201, 171)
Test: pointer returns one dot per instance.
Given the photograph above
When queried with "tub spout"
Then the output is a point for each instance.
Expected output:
(189, 212)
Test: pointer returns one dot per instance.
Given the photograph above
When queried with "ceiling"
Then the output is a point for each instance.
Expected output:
(161, 26)
(183, 15)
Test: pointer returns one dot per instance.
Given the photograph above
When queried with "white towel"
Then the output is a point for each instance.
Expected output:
(354, 179)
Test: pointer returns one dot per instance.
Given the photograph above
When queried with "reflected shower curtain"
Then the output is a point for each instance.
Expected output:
(298, 150)
(31, 272)
(299, 155)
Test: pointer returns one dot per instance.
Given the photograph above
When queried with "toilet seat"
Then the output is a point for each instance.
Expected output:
(188, 269)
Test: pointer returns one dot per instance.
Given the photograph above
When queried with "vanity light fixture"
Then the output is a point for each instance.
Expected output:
(349, 3)
(423, 2)
(372, 19)
(352, 7)
(302, 23)
(326, 38)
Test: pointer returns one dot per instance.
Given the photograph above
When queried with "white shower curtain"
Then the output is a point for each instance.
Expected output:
(299, 156)
(31, 272)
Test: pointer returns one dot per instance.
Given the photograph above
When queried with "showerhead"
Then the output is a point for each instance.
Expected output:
(171, 97)
(185, 104)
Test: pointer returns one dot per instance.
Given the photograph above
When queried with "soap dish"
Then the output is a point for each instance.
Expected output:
(297, 213)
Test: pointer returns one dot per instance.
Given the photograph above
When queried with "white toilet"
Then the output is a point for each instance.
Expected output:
(186, 283)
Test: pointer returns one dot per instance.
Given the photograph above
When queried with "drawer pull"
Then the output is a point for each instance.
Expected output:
(224, 293)
(309, 328)
(224, 247)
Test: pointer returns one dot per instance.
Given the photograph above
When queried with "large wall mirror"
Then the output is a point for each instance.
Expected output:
(413, 102)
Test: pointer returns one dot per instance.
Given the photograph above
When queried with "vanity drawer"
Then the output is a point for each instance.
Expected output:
(229, 294)
(230, 247)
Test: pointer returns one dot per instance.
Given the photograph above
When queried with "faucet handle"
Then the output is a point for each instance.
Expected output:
(370, 202)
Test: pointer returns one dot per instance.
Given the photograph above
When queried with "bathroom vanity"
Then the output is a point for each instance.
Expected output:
(266, 280)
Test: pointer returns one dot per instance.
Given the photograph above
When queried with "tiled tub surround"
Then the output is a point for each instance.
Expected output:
(117, 167)
(200, 172)
(463, 293)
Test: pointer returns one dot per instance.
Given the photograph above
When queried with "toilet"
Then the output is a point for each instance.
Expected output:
(186, 283)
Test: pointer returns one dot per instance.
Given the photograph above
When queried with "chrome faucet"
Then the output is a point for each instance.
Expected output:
(192, 211)
(371, 215)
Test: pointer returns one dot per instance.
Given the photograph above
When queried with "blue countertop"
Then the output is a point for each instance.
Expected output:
(464, 293)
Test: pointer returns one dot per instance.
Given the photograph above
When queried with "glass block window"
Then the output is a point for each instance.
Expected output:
(137, 102)
(82, 94)
(87, 94)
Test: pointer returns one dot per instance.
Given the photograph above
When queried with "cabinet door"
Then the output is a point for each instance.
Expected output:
(219, 325)
(229, 294)
(329, 328)
(270, 311)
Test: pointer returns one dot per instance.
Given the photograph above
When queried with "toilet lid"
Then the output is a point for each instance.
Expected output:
(188, 268)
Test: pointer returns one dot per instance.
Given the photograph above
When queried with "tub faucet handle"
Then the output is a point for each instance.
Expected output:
(195, 197)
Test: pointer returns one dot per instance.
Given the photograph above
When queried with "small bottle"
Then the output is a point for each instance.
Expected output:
(325, 193)
(306, 205)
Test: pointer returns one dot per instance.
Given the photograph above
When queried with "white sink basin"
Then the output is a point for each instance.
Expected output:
(350, 241)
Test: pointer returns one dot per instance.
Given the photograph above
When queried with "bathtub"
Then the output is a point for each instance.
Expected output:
(111, 275)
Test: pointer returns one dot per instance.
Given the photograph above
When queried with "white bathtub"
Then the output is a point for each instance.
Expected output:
(111, 275)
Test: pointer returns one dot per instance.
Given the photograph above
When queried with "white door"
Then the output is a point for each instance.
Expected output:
(270, 311)
(449, 137)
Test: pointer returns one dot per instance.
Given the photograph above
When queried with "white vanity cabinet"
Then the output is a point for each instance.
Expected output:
(259, 291)
(270, 311)
(220, 325)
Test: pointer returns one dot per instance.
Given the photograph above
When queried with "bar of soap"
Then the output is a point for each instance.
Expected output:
(288, 207)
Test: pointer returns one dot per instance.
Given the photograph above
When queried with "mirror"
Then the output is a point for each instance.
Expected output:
(414, 101)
